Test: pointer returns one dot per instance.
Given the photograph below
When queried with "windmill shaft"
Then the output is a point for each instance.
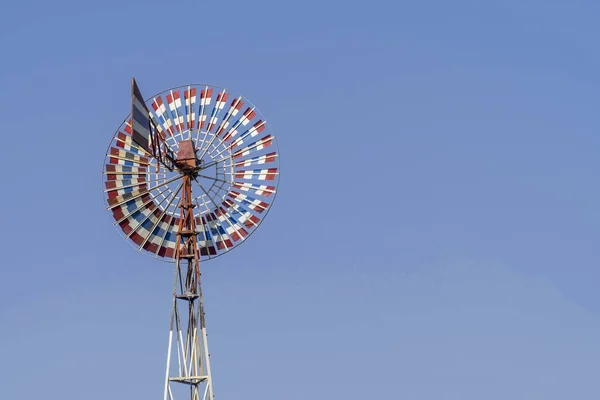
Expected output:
(188, 375)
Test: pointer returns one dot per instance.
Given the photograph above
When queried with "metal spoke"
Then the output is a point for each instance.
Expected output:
(205, 205)
(217, 206)
(136, 210)
(214, 222)
(144, 192)
(202, 188)
(144, 220)
(173, 195)
(215, 162)
(214, 179)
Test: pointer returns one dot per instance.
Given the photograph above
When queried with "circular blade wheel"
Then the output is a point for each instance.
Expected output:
(233, 189)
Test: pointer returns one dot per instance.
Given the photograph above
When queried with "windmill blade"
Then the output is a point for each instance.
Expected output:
(257, 128)
(259, 160)
(111, 169)
(190, 107)
(258, 174)
(259, 190)
(244, 120)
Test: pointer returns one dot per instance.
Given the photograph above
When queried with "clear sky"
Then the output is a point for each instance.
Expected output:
(436, 231)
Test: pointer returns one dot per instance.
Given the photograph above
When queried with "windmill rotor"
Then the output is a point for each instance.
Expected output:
(234, 181)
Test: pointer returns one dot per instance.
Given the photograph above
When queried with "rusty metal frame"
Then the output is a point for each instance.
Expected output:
(193, 364)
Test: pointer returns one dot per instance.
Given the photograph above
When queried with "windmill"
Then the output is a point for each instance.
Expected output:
(188, 176)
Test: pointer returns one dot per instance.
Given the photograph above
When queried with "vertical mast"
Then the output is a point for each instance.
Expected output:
(188, 376)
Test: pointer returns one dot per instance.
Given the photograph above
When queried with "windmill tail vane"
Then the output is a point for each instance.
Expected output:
(187, 179)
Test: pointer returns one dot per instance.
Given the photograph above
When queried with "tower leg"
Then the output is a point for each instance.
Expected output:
(188, 376)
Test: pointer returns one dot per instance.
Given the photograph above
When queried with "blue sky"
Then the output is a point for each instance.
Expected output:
(435, 234)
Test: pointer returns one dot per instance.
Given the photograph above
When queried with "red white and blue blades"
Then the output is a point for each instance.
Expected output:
(235, 180)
